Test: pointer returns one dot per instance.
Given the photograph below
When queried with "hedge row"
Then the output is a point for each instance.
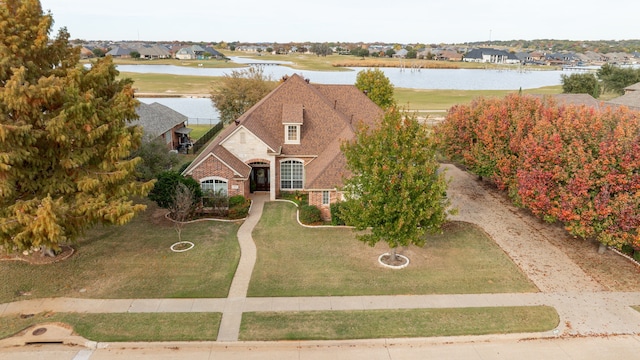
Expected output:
(573, 164)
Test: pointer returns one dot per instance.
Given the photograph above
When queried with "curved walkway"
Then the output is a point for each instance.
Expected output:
(584, 308)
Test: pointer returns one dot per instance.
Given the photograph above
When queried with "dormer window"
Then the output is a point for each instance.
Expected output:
(293, 134)
(292, 119)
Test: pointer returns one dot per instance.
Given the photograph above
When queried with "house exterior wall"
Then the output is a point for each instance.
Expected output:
(214, 167)
(315, 199)
(247, 147)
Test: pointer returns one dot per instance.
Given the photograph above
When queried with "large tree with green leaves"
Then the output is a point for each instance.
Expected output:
(377, 86)
(396, 188)
(65, 141)
(580, 84)
(616, 78)
(239, 91)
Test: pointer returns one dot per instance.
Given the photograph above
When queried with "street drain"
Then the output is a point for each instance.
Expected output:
(39, 331)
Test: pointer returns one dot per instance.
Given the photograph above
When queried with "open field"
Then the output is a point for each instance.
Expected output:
(375, 324)
(133, 261)
(331, 262)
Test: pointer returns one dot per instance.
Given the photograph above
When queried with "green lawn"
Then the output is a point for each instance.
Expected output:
(339, 325)
(297, 261)
(133, 261)
(417, 99)
(198, 130)
(125, 326)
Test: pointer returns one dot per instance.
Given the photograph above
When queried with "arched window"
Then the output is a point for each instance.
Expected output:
(216, 185)
(292, 175)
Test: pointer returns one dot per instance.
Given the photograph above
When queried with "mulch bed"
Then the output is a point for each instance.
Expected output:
(37, 258)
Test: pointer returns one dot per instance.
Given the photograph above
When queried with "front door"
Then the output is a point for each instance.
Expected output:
(260, 179)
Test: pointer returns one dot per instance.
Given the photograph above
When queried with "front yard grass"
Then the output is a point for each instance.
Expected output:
(125, 326)
(297, 261)
(374, 324)
(133, 261)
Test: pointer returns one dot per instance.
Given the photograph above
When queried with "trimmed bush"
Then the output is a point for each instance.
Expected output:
(165, 188)
(236, 200)
(310, 214)
(238, 207)
(336, 218)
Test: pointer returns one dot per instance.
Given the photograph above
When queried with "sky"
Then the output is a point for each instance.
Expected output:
(390, 21)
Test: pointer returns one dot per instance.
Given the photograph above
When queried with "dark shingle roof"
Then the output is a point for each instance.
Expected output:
(156, 119)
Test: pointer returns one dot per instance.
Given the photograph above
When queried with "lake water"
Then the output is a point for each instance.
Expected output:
(460, 79)
(201, 111)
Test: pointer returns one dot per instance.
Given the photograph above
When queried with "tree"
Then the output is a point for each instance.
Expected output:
(412, 54)
(390, 53)
(97, 52)
(377, 87)
(134, 54)
(615, 78)
(321, 49)
(182, 207)
(65, 141)
(239, 91)
(164, 190)
(156, 158)
(396, 188)
(580, 84)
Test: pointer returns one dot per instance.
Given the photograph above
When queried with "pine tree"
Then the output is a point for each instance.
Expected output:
(65, 142)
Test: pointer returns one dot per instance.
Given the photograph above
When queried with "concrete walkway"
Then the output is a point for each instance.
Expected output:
(588, 311)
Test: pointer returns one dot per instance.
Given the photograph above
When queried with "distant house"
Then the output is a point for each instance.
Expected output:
(289, 141)
(449, 55)
(120, 52)
(494, 56)
(402, 53)
(197, 52)
(159, 121)
(152, 52)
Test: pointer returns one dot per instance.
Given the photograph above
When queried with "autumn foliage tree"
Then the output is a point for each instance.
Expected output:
(396, 188)
(239, 91)
(64, 136)
(573, 164)
(377, 86)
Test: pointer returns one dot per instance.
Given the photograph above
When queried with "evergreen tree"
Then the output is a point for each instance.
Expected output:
(64, 136)
(396, 188)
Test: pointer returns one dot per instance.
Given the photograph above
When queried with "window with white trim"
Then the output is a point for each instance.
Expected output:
(215, 185)
(326, 198)
(292, 134)
(292, 175)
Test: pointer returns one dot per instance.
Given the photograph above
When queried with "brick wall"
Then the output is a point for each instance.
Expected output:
(214, 167)
(315, 199)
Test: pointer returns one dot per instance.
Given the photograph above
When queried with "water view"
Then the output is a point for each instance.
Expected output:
(460, 79)
(201, 111)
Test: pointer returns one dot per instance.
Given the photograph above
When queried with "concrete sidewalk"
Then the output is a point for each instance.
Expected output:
(588, 312)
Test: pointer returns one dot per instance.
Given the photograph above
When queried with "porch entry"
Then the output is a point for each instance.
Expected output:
(259, 179)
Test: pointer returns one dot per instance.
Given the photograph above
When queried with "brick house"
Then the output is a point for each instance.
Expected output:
(289, 141)
(159, 121)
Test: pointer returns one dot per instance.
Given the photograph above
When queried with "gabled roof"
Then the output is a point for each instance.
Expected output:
(631, 99)
(634, 87)
(329, 114)
(572, 99)
(156, 119)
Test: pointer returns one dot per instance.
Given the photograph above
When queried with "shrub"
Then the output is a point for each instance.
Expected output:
(310, 214)
(164, 189)
(336, 218)
(217, 203)
(297, 197)
(238, 207)
(236, 200)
